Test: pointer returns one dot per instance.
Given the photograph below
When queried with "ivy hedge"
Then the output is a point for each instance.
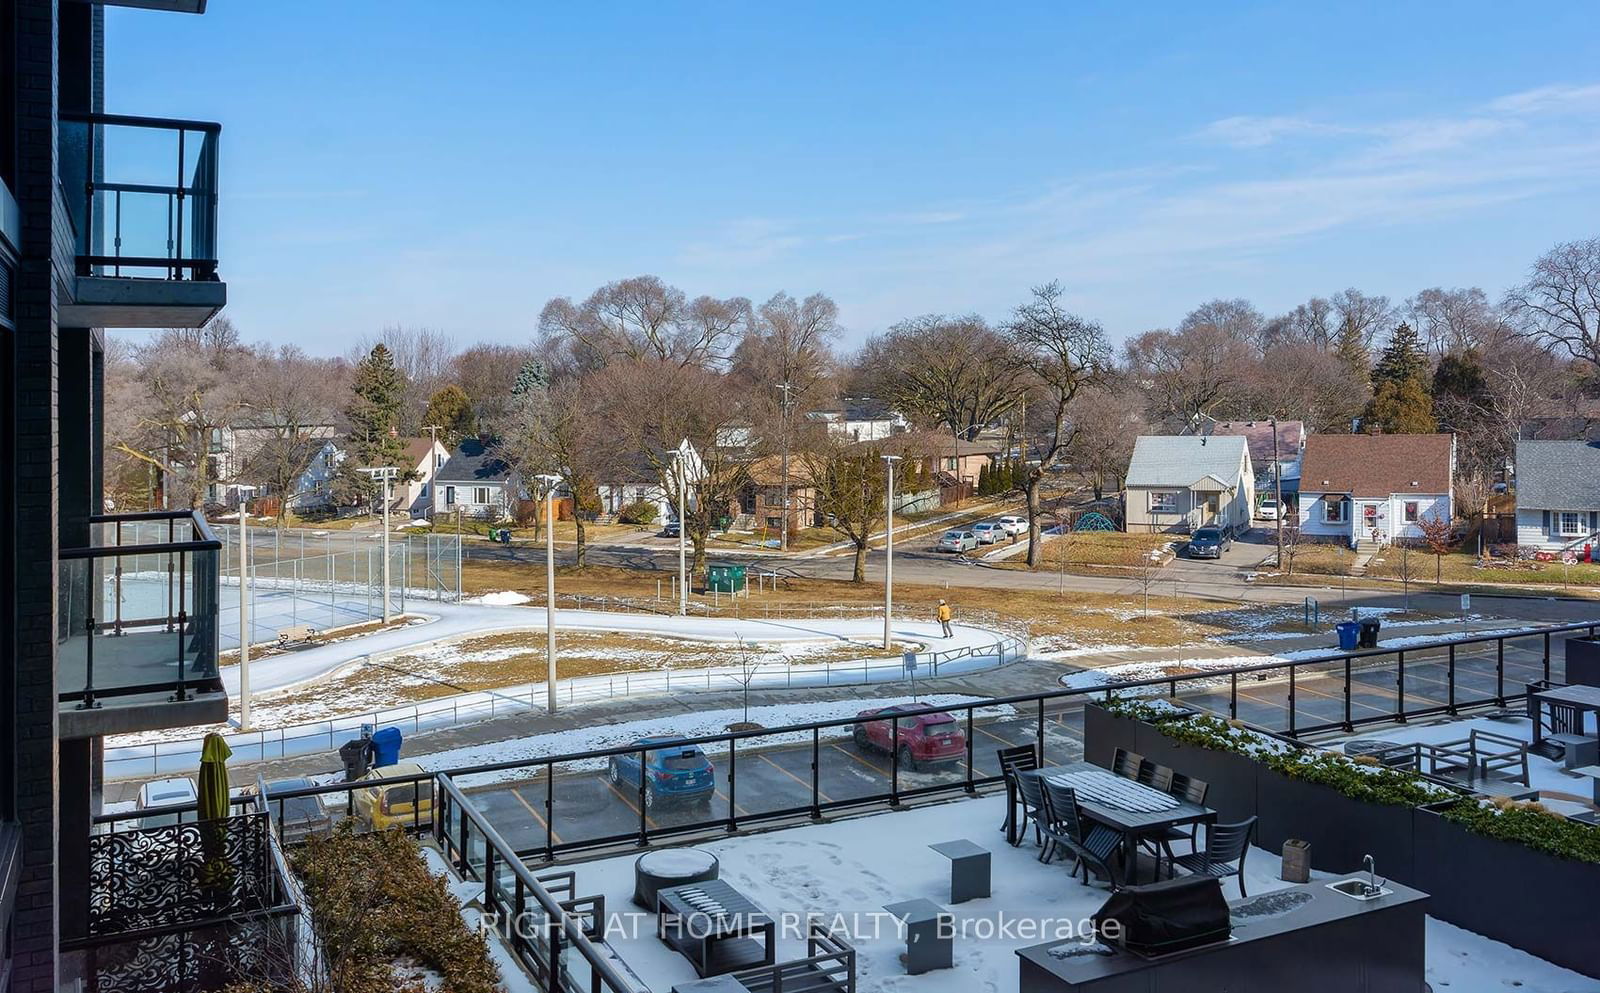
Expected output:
(1528, 824)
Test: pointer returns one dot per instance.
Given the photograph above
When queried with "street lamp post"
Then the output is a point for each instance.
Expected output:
(550, 482)
(888, 551)
(1277, 484)
(783, 526)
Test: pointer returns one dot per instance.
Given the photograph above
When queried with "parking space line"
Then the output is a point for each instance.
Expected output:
(649, 823)
(738, 810)
(536, 815)
(880, 770)
(820, 795)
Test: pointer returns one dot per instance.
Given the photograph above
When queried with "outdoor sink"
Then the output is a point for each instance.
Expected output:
(1359, 889)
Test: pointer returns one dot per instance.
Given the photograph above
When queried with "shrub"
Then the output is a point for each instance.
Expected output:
(1529, 824)
(638, 512)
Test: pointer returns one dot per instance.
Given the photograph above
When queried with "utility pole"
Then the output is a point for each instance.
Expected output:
(1277, 485)
(244, 617)
(550, 482)
(683, 526)
(783, 528)
(386, 498)
(888, 552)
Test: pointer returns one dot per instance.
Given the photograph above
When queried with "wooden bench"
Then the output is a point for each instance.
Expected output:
(298, 634)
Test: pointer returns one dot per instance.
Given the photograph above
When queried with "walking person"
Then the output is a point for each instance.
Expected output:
(944, 619)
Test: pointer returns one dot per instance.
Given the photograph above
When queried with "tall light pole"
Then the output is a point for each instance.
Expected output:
(550, 482)
(244, 615)
(888, 551)
(683, 525)
(1277, 483)
(783, 528)
(386, 474)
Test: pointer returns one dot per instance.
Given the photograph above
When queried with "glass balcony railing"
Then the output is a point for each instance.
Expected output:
(142, 192)
(138, 610)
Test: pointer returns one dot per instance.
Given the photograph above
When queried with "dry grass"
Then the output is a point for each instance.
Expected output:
(259, 652)
(1103, 548)
(1462, 567)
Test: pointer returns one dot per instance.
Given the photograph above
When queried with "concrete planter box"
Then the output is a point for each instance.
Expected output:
(1508, 892)
(1105, 732)
(1339, 829)
(1231, 777)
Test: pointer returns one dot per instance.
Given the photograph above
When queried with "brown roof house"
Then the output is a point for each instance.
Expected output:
(1374, 488)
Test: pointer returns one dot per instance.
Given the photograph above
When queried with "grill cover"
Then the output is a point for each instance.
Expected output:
(1169, 916)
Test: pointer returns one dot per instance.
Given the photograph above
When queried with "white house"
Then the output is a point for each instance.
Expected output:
(477, 483)
(424, 457)
(1558, 494)
(861, 419)
(639, 479)
(1181, 483)
(1375, 488)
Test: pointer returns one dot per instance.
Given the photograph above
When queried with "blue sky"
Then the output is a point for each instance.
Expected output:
(454, 165)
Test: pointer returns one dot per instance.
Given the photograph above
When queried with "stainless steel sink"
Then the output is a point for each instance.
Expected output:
(1359, 889)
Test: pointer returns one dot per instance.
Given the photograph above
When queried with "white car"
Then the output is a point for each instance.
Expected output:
(988, 532)
(957, 541)
(166, 793)
(1267, 510)
(1014, 525)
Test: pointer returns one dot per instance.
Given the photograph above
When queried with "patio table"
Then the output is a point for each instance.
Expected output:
(1580, 698)
(714, 926)
(1129, 808)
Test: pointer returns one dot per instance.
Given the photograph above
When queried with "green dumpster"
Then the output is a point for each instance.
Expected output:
(724, 577)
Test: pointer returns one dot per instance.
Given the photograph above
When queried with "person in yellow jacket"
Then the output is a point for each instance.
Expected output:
(944, 619)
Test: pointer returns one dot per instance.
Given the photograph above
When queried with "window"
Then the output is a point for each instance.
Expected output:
(449, 496)
(438, 461)
(1411, 511)
(950, 464)
(480, 494)
(1571, 523)
(1335, 510)
(1164, 502)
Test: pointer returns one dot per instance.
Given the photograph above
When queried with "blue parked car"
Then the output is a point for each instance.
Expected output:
(676, 772)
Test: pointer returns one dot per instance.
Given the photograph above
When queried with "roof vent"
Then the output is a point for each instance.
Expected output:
(1413, 482)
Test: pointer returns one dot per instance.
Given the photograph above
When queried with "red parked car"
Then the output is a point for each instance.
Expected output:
(923, 739)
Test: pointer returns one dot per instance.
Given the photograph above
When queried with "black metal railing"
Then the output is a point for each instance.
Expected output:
(142, 192)
(597, 799)
(143, 598)
(189, 906)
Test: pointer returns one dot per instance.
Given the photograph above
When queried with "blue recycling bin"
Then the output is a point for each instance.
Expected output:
(386, 747)
(1349, 634)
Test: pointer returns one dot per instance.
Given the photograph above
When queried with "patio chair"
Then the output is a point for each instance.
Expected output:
(1226, 846)
(1030, 790)
(1126, 764)
(1190, 790)
(1021, 758)
(1156, 776)
(1090, 844)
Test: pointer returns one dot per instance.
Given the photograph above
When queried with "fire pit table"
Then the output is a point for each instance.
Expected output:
(655, 871)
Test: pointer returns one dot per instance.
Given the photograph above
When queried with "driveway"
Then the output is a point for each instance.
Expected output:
(1249, 550)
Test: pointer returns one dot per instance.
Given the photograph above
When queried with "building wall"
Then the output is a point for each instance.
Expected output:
(1540, 529)
(497, 508)
(1233, 508)
(1390, 519)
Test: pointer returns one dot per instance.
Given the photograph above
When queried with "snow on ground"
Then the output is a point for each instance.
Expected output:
(504, 598)
(849, 869)
(688, 725)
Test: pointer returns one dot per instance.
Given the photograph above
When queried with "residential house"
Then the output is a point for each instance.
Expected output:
(1375, 488)
(477, 483)
(762, 499)
(639, 479)
(424, 457)
(861, 419)
(1558, 494)
(73, 271)
(1180, 483)
(1275, 450)
(949, 461)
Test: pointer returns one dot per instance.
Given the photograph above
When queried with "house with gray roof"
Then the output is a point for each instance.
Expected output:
(1181, 483)
(477, 483)
(1558, 494)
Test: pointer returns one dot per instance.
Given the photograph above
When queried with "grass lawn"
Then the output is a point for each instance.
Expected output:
(1323, 559)
(1104, 548)
(1462, 567)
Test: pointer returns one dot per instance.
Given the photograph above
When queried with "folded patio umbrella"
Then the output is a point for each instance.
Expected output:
(214, 754)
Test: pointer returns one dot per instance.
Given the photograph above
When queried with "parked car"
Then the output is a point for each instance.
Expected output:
(298, 817)
(1014, 525)
(167, 793)
(1267, 509)
(397, 805)
(676, 772)
(957, 541)
(923, 739)
(988, 532)
(668, 530)
(1209, 542)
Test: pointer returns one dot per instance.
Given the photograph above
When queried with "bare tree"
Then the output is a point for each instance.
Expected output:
(852, 489)
(1291, 545)
(423, 356)
(1237, 319)
(1456, 320)
(644, 318)
(560, 430)
(1189, 373)
(1310, 383)
(1062, 352)
(190, 395)
(487, 372)
(1109, 417)
(1559, 304)
(1439, 534)
(1362, 315)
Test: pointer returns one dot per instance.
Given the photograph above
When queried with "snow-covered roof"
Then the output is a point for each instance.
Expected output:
(1168, 460)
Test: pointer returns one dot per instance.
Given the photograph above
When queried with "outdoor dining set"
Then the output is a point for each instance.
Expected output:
(1103, 819)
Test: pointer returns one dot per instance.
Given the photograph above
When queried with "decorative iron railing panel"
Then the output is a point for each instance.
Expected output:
(185, 873)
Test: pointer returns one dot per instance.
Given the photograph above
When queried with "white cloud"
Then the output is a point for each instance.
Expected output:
(1246, 131)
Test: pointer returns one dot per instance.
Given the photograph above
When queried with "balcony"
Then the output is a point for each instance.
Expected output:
(141, 193)
(187, 908)
(138, 618)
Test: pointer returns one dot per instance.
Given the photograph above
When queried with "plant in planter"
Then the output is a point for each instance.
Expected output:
(1529, 824)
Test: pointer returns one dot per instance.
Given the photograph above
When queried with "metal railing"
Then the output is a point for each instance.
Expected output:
(119, 637)
(142, 192)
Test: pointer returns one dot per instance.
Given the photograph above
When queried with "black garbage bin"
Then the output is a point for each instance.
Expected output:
(1369, 632)
(357, 757)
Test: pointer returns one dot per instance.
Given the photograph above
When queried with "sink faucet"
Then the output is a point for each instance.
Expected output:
(1373, 884)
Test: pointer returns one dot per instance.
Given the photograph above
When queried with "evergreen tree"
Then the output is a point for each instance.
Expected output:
(985, 481)
(1352, 352)
(1403, 407)
(531, 378)
(451, 409)
(1403, 359)
(374, 410)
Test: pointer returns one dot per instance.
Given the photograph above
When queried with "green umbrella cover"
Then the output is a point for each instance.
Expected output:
(214, 754)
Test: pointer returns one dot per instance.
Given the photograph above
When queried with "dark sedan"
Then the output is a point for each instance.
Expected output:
(1209, 543)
